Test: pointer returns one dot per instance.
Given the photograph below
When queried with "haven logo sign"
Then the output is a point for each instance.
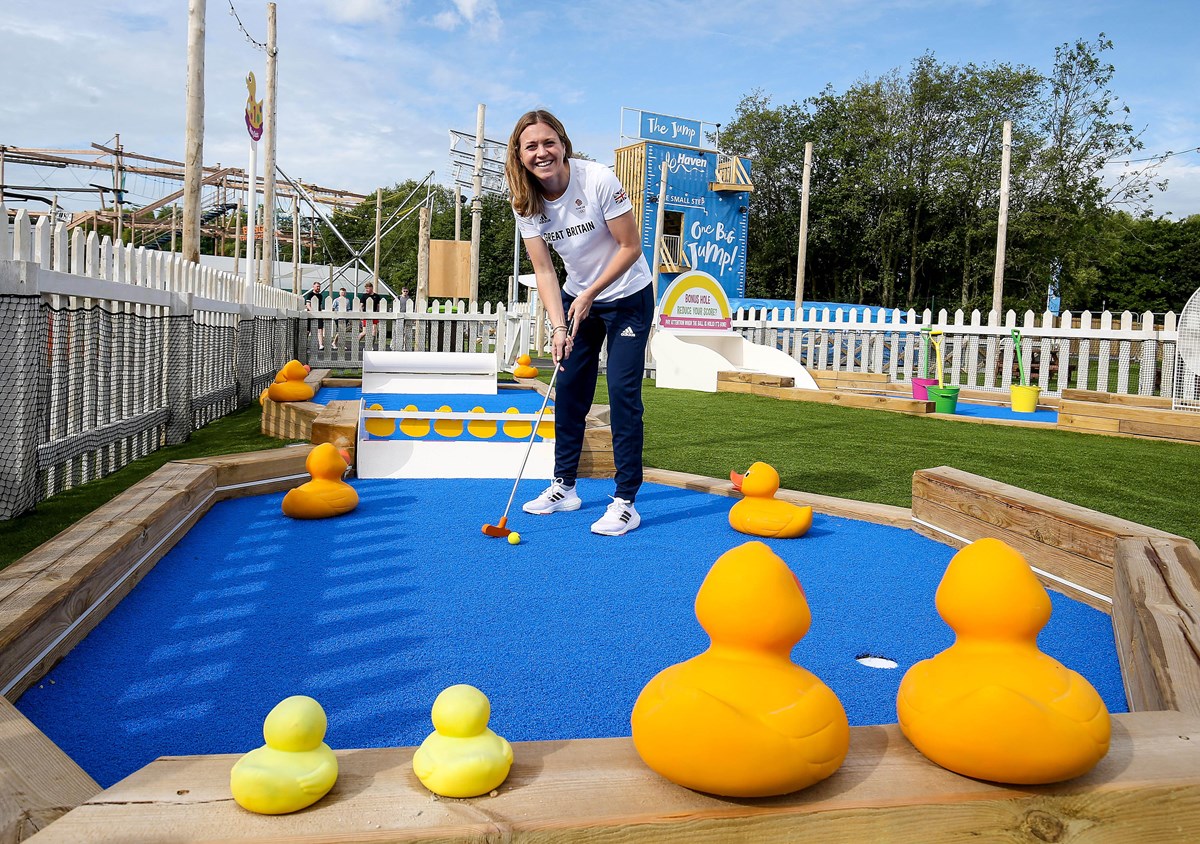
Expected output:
(695, 301)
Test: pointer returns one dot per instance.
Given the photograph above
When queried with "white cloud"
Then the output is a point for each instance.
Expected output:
(362, 11)
(447, 20)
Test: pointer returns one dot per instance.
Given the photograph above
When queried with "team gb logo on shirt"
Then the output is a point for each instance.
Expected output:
(620, 196)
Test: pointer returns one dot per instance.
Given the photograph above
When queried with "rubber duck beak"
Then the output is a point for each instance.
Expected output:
(736, 480)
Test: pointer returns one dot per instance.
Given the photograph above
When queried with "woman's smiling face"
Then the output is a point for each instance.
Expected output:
(543, 153)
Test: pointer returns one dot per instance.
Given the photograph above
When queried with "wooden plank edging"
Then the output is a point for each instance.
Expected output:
(1147, 787)
(880, 514)
(1156, 621)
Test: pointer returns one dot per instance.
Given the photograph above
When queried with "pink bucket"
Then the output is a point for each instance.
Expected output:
(920, 387)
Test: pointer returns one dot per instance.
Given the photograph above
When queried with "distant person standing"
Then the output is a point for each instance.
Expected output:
(341, 304)
(312, 302)
(404, 300)
(372, 303)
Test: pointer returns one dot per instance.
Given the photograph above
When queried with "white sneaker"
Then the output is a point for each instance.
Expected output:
(618, 519)
(556, 498)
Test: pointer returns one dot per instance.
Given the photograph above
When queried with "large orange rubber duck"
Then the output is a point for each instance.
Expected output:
(759, 513)
(741, 719)
(992, 706)
(326, 494)
(290, 384)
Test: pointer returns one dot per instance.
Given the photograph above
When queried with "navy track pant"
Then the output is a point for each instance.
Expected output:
(626, 324)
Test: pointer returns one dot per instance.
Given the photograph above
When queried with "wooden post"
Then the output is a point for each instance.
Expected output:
(477, 205)
(378, 229)
(268, 239)
(193, 165)
(659, 222)
(117, 192)
(251, 220)
(237, 236)
(516, 284)
(422, 258)
(802, 250)
(457, 213)
(1002, 225)
(174, 214)
(296, 245)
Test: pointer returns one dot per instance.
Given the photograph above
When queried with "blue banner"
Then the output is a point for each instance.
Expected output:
(711, 225)
(670, 130)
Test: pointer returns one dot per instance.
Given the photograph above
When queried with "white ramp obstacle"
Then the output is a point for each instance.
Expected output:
(401, 434)
(693, 340)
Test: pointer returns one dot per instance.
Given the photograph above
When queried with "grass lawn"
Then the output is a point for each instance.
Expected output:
(866, 455)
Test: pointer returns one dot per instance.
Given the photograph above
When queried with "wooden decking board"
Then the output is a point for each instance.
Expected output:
(1145, 415)
(1073, 568)
(1146, 788)
(1156, 618)
(1097, 397)
(1079, 530)
(1157, 430)
(883, 514)
(252, 467)
(45, 782)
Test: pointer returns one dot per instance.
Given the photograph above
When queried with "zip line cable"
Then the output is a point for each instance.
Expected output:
(1163, 157)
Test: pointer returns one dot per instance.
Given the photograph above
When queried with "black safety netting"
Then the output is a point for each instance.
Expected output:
(89, 390)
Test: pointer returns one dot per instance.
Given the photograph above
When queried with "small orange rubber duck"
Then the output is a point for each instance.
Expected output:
(290, 384)
(992, 706)
(759, 513)
(525, 368)
(326, 494)
(741, 719)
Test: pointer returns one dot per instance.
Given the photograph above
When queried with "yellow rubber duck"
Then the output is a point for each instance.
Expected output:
(326, 494)
(759, 513)
(525, 368)
(290, 384)
(462, 757)
(741, 719)
(992, 706)
(294, 769)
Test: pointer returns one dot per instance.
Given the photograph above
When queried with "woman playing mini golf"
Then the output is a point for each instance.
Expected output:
(580, 209)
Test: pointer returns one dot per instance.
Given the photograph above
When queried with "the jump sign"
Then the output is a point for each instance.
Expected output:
(670, 130)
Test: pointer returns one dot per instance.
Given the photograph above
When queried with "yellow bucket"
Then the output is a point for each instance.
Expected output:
(1024, 399)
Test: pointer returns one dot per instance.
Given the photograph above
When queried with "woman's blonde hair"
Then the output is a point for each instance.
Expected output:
(525, 187)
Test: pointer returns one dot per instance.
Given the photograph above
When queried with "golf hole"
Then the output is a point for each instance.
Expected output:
(873, 661)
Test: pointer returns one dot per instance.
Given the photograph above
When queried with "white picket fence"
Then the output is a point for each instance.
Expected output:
(1123, 353)
(443, 326)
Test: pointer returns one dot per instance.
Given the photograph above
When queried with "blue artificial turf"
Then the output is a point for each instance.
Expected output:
(1003, 411)
(375, 612)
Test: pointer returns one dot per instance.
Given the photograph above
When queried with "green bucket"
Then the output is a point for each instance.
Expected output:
(945, 399)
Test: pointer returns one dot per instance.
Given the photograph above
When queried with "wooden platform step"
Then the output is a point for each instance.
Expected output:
(845, 398)
(760, 379)
(1149, 417)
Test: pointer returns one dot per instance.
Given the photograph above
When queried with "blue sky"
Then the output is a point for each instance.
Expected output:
(368, 89)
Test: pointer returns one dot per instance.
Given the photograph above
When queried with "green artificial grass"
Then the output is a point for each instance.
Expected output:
(871, 455)
(866, 455)
(237, 432)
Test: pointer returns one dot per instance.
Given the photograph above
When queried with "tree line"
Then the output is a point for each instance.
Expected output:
(904, 195)
(905, 184)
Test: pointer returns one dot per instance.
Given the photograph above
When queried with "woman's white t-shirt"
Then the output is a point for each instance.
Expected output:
(576, 226)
